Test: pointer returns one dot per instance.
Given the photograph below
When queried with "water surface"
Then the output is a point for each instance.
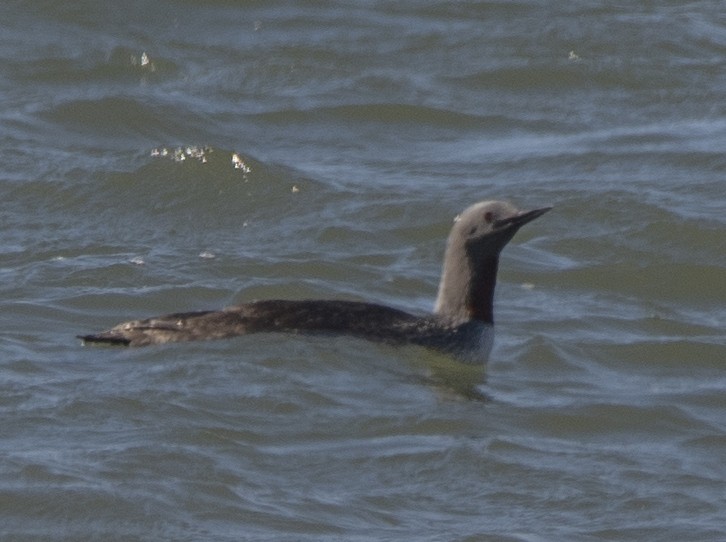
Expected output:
(180, 155)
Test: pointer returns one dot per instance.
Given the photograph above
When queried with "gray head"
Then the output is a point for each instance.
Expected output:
(466, 291)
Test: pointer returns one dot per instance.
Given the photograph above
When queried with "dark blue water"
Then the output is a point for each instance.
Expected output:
(178, 156)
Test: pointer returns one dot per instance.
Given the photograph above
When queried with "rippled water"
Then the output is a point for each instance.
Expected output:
(176, 155)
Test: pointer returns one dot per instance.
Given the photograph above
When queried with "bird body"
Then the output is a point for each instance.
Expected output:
(461, 324)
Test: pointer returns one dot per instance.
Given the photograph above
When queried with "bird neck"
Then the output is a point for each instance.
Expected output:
(481, 291)
(466, 291)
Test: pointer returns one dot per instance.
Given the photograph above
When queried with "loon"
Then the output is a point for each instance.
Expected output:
(461, 324)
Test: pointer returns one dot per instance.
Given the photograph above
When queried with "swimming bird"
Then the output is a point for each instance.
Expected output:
(461, 323)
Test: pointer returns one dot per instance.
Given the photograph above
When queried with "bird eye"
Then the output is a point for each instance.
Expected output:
(488, 217)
